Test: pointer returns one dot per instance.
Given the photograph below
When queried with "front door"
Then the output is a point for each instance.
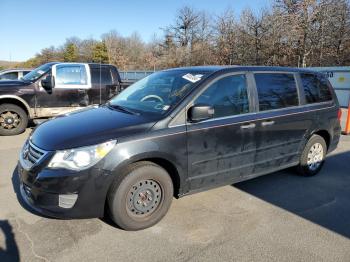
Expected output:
(221, 150)
(72, 81)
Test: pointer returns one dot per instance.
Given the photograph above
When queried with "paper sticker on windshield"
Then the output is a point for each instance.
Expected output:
(166, 107)
(41, 72)
(192, 78)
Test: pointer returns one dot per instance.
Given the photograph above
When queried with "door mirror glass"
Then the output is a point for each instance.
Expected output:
(200, 112)
(48, 83)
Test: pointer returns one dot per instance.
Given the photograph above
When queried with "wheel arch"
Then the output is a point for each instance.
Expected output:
(324, 134)
(172, 169)
(12, 99)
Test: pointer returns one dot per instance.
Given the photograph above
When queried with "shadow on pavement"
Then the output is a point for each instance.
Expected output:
(11, 253)
(323, 199)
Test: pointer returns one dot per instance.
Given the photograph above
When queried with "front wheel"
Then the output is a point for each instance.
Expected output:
(141, 197)
(13, 120)
(313, 156)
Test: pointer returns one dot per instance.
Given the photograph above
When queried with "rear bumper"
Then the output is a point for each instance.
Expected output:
(335, 139)
(333, 145)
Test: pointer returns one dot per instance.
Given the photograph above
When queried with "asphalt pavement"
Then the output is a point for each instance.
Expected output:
(277, 217)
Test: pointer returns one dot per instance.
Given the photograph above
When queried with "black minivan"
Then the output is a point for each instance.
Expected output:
(177, 132)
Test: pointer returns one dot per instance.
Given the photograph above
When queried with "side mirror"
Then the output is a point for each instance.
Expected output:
(48, 83)
(200, 112)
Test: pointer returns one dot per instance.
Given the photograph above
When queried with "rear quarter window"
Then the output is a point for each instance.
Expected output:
(101, 76)
(316, 88)
(276, 90)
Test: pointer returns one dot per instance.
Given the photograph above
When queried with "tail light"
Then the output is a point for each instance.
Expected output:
(339, 114)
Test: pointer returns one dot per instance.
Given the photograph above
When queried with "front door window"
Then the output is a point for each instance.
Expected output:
(71, 76)
(228, 96)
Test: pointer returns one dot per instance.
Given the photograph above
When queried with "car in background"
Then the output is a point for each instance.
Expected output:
(13, 74)
(53, 89)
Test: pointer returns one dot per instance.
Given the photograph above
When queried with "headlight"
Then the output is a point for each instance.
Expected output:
(81, 158)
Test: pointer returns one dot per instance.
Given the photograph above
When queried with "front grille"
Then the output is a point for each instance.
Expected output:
(32, 154)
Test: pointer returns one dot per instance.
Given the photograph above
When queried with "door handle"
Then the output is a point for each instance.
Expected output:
(248, 126)
(268, 123)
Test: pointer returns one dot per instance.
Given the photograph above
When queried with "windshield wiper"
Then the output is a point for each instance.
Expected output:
(123, 109)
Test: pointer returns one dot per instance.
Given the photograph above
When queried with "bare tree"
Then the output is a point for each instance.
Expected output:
(288, 33)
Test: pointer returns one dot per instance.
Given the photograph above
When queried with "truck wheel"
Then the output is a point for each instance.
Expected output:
(13, 120)
(313, 156)
(141, 196)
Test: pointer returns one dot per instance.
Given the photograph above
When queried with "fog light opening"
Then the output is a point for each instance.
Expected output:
(67, 201)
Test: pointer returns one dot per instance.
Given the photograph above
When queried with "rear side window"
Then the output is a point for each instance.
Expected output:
(276, 91)
(102, 76)
(316, 88)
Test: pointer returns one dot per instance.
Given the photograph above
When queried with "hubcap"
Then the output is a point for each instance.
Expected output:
(315, 156)
(144, 197)
(9, 120)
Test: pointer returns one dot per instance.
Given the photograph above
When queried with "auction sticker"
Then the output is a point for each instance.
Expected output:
(192, 78)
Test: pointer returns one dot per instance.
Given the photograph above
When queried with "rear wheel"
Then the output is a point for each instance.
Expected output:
(13, 120)
(313, 156)
(141, 196)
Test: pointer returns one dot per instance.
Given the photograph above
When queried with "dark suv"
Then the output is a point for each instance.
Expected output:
(174, 133)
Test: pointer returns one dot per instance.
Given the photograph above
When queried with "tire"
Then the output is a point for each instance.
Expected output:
(141, 196)
(13, 120)
(311, 164)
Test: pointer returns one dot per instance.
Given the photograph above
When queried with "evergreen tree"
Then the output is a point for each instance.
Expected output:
(70, 53)
(99, 53)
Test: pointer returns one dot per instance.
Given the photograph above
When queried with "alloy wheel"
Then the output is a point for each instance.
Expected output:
(9, 120)
(315, 156)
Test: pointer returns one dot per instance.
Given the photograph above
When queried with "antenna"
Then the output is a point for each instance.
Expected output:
(100, 81)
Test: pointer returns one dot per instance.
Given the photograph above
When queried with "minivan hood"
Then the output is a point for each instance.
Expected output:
(88, 127)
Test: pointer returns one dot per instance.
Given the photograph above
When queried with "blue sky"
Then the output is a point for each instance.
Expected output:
(27, 26)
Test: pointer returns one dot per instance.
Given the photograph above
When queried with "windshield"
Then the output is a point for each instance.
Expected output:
(157, 93)
(37, 72)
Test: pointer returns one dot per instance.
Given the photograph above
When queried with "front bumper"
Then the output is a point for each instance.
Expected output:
(41, 188)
